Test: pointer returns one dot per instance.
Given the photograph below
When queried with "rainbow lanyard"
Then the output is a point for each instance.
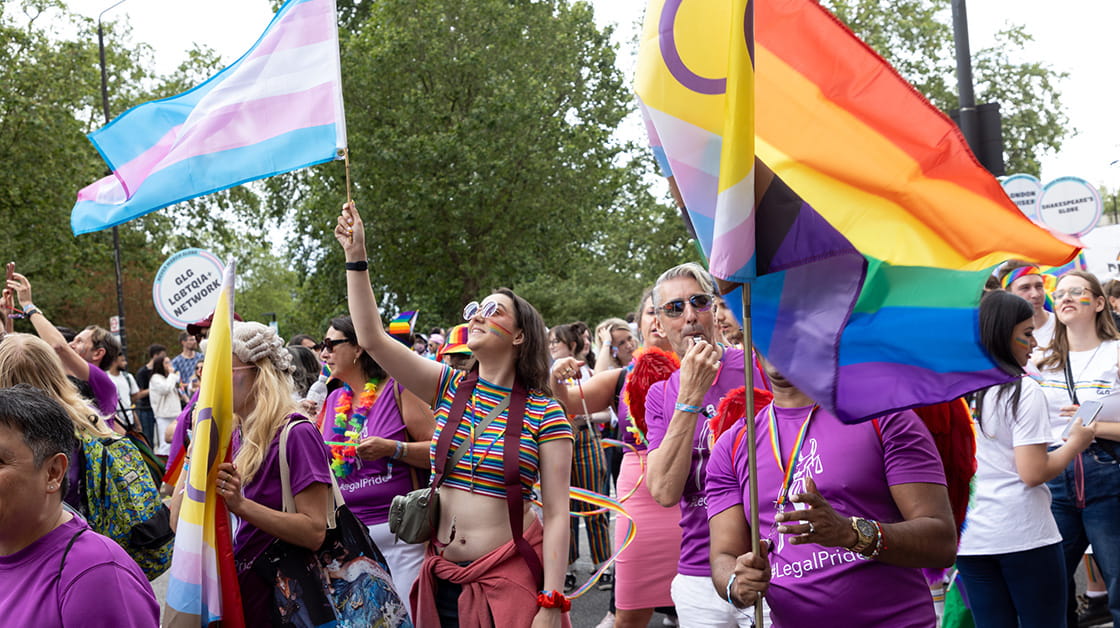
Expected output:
(787, 472)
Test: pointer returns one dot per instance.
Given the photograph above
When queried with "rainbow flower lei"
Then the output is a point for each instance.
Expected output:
(348, 428)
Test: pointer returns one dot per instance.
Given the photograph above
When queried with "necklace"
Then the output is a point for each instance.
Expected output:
(794, 454)
(348, 427)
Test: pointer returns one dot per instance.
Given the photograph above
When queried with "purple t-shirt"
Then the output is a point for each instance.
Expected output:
(308, 461)
(104, 392)
(101, 585)
(854, 469)
(370, 488)
(660, 404)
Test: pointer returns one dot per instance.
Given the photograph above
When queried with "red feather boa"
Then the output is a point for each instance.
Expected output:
(651, 365)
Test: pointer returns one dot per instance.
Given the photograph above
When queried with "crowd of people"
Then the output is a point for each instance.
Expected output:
(502, 414)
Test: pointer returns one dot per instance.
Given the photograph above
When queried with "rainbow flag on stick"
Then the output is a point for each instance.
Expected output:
(403, 323)
(866, 243)
(276, 109)
(203, 588)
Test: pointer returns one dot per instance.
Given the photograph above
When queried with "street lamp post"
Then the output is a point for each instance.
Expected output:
(116, 232)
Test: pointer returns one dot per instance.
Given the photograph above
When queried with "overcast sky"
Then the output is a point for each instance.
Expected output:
(1079, 38)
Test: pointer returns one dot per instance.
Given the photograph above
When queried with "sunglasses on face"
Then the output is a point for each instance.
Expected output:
(330, 343)
(1073, 292)
(699, 302)
(485, 310)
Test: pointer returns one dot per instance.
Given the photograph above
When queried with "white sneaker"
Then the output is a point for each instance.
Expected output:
(607, 621)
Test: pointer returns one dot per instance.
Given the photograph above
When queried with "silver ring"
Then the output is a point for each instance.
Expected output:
(811, 528)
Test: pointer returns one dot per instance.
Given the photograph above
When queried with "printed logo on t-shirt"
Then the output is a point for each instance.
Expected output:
(809, 465)
(369, 480)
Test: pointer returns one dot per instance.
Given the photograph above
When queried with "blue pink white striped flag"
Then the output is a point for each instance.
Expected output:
(276, 109)
(203, 587)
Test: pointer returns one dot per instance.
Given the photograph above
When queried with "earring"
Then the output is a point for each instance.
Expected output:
(52, 486)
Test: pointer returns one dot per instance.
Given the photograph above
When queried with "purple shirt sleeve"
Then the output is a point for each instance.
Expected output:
(722, 486)
(307, 457)
(107, 595)
(656, 420)
(909, 453)
(104, 391)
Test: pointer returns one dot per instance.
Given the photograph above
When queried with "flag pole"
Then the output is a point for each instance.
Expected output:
(346, 160)
(752, 450)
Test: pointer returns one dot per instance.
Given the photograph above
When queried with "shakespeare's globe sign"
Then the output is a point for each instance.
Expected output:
(1070, 205)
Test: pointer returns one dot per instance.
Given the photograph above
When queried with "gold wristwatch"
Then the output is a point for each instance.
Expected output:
(866, 533)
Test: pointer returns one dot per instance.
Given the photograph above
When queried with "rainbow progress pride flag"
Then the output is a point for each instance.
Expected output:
(276, 109)
(203, 587)
(863, 324)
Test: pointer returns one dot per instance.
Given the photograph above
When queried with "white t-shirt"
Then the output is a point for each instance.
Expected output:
(126, 387)
(1004, 514)
(1043, 335)
(1094, 375)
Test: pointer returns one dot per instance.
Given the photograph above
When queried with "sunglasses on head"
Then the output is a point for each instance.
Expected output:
(330, 343)
(485, 310)
(699, 302)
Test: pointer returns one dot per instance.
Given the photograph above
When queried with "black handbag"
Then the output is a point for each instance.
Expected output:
(346, 582)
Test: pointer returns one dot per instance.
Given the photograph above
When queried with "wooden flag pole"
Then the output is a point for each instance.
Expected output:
(752, 449)
(346, 159)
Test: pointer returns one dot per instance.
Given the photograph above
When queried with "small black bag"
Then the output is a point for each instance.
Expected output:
(346, 582)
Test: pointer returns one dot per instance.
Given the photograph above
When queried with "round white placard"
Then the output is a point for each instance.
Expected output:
(186, 287)
(1070, 205)
(1025, 191)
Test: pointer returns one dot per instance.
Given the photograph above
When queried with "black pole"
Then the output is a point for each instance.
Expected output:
(969, 122)
(116, 232)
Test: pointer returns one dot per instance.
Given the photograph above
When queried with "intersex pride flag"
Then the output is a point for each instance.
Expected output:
(203, 587)
(865, 287)
(276, 109)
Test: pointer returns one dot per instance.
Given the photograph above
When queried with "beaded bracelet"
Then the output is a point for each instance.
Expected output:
(554, 599)
(684, 407)
(880, 541)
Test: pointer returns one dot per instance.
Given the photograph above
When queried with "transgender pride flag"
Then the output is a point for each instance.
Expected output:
(276, 109)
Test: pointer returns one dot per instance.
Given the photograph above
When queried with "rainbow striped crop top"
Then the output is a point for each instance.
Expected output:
(480, 469)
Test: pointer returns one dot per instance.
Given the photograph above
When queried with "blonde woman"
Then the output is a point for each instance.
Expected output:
(250, 486)
(616, 344)
(27, 359)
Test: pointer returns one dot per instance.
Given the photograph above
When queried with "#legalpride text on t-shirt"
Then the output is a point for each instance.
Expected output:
(1001, 501)
(370, 488)
(854, 469)
(101, 586)
(660, 403)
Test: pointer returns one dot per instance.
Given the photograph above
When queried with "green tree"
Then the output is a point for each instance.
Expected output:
(481, 135)
(918, 41)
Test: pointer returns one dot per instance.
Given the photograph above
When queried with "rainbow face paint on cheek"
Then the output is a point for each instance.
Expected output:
(498, 330)
(1023, 342)
(1085, 300)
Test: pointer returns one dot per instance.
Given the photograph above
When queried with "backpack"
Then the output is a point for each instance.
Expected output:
(120, 500)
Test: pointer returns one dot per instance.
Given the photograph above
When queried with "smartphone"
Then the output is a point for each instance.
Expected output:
(11, 270)
(1086, 413)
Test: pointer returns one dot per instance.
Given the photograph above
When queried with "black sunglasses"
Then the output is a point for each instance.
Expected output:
(330, 343)
(699, 302)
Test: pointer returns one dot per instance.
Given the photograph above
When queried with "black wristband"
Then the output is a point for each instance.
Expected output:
(362, 265)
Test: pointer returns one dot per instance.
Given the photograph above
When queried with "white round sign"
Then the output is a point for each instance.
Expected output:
(186, 287)
(1025, 191)
(1070, 205)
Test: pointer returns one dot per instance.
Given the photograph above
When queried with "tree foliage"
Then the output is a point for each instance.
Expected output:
(483, 154)
(918, 40)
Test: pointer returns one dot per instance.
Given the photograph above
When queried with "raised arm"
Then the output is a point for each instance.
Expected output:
(71, 361)
(414, 372)
(598, 389)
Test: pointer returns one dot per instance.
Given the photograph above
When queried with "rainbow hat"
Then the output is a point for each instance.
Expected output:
(456, 341)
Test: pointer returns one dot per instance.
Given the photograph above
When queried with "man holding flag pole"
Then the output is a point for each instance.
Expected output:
(892, 233)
